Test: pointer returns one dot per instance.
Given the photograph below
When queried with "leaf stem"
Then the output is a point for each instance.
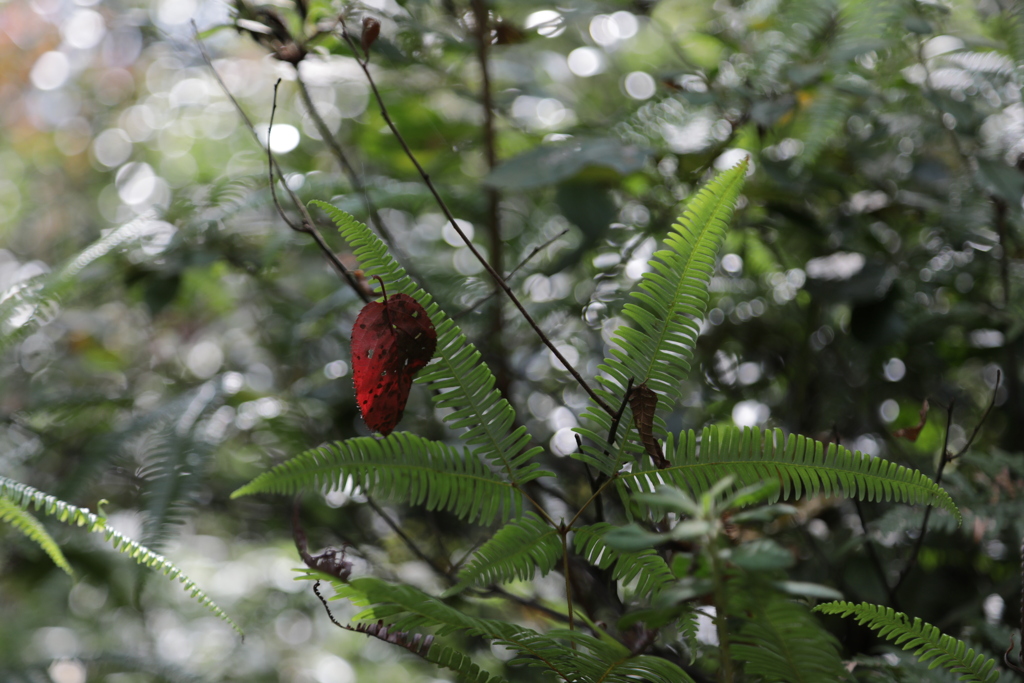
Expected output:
(563, 531)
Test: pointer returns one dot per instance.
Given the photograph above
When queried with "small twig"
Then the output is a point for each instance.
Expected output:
(495, 275)
(409, 543)
(449, 576)
(617, 419)
(984, 416)
(307, 226)
(872, 551)
(563, 531)
(603, 484)
(876, 561)
(316, 589)
(912, 560)
(483, 34)
(346, 166)
(496, 291)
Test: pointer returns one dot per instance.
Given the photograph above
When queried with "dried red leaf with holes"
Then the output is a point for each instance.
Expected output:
(391, 341)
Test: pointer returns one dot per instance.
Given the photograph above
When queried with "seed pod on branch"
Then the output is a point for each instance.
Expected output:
(371, 29)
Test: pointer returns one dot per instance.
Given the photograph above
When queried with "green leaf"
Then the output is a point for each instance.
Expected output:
(668, 308)
(638, 563)
(24, 496)
(804, 467)
(516, 551)
(400, 467)
(927, 642)
(24, 522)
(461, 383)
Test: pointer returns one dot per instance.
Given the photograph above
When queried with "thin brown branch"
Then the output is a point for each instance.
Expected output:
(495, 292)
(563, 531)
(482, 24)
(495, 275)
(307, 226)
(912, 559)
(449, 576)
(346, 166)
(876, 562)
(984, 416)
(602, 483)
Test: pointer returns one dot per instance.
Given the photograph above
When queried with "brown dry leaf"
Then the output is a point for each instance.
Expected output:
(644, 402)
(911, 433)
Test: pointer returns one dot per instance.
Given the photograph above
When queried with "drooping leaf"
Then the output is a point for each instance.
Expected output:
(644, 403)
(391, 341)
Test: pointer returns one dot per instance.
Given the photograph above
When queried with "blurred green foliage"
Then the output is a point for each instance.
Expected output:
(875, 260)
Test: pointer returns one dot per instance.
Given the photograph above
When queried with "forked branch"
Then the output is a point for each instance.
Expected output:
(495, 275)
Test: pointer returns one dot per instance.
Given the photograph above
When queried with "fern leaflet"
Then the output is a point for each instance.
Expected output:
(802, 466)
(24, 522)
(402, 467)
(646, 567)
(594, 660)
(24, 496)
(514, 552)
(927, 640)
(783, 643)
(671, 301)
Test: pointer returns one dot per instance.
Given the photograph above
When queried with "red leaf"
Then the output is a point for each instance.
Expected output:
(391, 341)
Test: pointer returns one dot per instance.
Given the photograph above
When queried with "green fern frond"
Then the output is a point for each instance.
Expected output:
(671, 301)
(401, 467)
(27, 305)
(514, 552)
(822, 121)
(783, 643)
(172, 470)
(25, 496)
(803, 21)
(24, 522)
(462, 382)
(802, 466)
(646, 567)
(927, 641)
(593, 660)
(450, 658)
(866, 25)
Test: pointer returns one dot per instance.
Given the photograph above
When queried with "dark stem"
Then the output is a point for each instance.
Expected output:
(483, 42)
(984, 416)
(494, 292)
(316, 589)
(912, 560)
(876, 562)
(563, 531)
(603, 482)
(450, 577)
(346, 165)
(307, 226)
(469, 243)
